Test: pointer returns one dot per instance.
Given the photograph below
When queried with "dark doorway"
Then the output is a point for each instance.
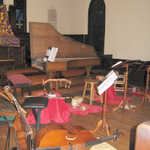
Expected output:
(96, 25)
(1, 2)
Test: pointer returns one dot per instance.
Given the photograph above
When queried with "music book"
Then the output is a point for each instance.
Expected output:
(107, 82)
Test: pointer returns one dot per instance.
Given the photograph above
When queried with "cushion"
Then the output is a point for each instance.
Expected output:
(19, 79)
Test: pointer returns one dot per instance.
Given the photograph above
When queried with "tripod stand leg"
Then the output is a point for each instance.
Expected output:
(103, 125)
(119, 106)
(103, 121)
(98, 125)
(107, 129)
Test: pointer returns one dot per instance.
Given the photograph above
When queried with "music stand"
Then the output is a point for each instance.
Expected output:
(125, 65)
(145, 66)
(145, 97)
(102, 88)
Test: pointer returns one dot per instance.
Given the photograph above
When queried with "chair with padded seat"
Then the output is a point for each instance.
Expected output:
(20, 81)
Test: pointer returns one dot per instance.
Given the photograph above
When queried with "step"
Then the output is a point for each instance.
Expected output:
(24, 71)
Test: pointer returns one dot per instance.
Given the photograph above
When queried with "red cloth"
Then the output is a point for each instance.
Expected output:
(112, 97)
(90, 109)
(59, 111)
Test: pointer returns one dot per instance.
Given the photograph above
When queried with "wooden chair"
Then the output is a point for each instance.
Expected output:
(119, 84)
(123, 81)
(56, 84)
(88, 91)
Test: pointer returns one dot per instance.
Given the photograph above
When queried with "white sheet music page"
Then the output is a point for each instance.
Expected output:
(53, 54)
(109, 81)
(48, 52)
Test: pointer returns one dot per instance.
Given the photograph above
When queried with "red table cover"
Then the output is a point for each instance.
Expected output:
(59, 111)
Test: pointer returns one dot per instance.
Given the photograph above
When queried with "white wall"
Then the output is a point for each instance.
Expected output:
(127, 23)
(128, 29)
(69, 16)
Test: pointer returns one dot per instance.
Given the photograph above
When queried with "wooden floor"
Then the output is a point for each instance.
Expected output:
(123, 120)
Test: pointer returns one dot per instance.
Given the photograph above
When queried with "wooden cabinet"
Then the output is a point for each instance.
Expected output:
(16, 53)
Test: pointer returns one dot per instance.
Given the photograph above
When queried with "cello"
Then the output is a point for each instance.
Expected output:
(23, 131)
(56, 136)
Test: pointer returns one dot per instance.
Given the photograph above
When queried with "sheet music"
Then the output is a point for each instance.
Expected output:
(53, 54)
(48, 52)
(109, 81)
